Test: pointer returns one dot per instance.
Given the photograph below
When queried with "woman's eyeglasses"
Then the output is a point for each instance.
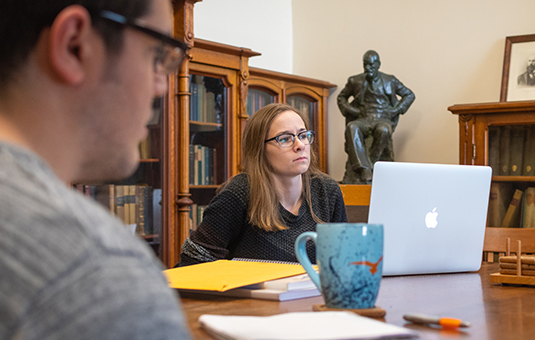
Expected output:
(287, 140)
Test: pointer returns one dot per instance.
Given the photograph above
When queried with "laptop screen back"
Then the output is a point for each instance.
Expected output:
(434, 216)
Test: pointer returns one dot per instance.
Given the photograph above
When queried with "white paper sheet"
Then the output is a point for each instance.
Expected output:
(301, 326)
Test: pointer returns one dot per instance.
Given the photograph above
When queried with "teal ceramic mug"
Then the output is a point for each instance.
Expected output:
(350, 261)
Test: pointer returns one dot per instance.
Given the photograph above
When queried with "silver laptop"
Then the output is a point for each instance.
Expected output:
(434, 216)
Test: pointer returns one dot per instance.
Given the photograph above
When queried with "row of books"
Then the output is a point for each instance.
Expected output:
(202, 165)
(510, 207)
(195, 214)
(512, 150)
(138, 206)
(203, 103)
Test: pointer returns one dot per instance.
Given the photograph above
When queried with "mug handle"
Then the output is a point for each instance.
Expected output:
(302, 256)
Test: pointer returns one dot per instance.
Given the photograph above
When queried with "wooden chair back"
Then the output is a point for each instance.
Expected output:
(357, 201)
(496, 240)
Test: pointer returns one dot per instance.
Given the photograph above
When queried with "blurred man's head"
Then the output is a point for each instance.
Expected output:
(94, 66)
(23, 21)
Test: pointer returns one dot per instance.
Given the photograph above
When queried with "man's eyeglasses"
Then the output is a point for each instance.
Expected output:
(169, 54)
(287, 140)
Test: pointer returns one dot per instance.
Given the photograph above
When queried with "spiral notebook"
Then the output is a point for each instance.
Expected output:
(224, 275)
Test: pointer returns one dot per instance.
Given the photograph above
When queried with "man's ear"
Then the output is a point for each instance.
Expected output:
(69, 45)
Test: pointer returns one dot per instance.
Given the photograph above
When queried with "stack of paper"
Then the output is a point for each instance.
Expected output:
(290, 288)
(301, 326)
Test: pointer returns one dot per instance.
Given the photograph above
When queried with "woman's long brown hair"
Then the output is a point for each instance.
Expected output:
(263, 207)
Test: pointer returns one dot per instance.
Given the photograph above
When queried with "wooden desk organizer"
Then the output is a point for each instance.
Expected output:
(517, 279)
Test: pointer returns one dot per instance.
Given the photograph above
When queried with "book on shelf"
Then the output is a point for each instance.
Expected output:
(516, 150)
(529, 152)
(196, 85)
(201, 104)
(140, 209)
(500, 197)
(130, 202)
(494, 149)
(196, 214)
(119, 199)
(191, 164)
(144, 148)
(157, 211)
(529, 208)
(512, 215)
(210, 107)
(147, 193)
(505, 147)
(193, 216)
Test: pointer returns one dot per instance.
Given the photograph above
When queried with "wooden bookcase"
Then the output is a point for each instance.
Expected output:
(497, 134)
(214, 87)
(208, 103)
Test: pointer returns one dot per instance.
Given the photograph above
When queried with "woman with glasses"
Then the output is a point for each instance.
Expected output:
(281, 193)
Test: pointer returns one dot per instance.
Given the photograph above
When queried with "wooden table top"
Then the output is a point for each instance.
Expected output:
(495, 311)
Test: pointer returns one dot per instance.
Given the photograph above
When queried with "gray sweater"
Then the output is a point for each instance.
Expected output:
(69, 269)
(226, 233)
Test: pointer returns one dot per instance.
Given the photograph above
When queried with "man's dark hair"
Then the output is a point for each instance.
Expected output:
(22, 21)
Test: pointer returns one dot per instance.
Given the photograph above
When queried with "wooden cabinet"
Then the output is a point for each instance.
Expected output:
(211, 94)
(500, 135)
(202, 122)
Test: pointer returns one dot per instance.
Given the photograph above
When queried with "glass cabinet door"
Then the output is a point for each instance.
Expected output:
(306, 107)
(511, 154)
(512, 150)
(208, 141)
(257, 99)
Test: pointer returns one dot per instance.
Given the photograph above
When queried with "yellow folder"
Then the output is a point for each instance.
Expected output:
(223, 275)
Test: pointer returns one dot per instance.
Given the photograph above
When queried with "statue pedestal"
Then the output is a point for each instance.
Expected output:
(357, 201)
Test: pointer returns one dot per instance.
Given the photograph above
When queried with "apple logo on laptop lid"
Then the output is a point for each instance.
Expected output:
(431, 219)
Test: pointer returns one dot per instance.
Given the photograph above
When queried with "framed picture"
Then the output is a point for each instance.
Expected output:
(518, 77)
